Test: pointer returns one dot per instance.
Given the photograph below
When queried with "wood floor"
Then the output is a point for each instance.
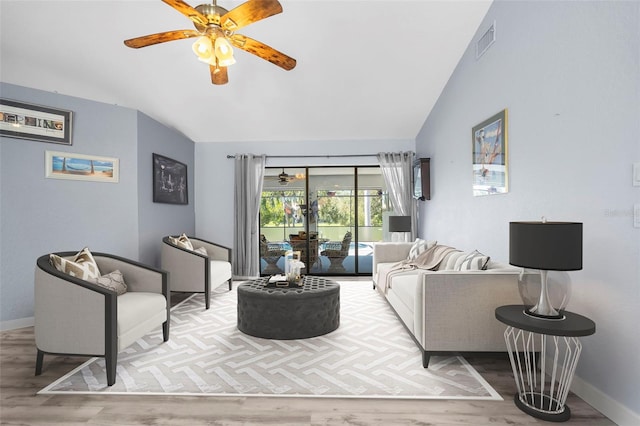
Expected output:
(19, 404)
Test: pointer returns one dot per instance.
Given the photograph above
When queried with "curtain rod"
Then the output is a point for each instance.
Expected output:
(316, 156)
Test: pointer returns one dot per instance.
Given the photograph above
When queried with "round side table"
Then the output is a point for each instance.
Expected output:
(544, 354)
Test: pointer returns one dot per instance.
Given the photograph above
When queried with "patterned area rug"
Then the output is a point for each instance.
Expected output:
(370, 355)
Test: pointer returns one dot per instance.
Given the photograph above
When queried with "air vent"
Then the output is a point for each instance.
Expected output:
(486, 41)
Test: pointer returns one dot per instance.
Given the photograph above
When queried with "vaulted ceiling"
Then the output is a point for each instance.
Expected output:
(366, 69)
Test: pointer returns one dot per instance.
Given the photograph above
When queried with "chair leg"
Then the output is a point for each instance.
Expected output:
(230, 282)
(39, 360)
(165, 331)
(207, 299)
(425, 359)
(111, 362)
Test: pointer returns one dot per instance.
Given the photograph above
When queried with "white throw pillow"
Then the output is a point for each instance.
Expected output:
(420, 246)
(182, 241)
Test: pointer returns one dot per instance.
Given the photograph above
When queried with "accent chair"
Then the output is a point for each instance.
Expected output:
(75, 316)
(196, 270)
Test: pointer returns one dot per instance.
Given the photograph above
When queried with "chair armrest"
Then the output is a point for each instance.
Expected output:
(332, 245)
(389, 253)
(215, 251)
(137, 276)
(71, 315)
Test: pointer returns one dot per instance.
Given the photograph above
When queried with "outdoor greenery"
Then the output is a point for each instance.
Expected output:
(329, 208)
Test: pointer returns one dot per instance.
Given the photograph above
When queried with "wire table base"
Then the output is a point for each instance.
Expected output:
(543, 367)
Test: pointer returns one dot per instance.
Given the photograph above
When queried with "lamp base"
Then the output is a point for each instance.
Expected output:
(544, 309)
(554, 317)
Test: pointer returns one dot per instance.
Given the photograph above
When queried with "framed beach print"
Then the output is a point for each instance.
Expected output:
(169, 181)
(66, 165)
(489, 146)
(35, 122)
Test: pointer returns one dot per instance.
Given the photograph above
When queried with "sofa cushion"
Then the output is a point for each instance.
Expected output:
(113, 281)
(420, 246)
(474, 261)
(219, 271)
(403, 297)
(138, 313)
(182, 241)
(82, 265)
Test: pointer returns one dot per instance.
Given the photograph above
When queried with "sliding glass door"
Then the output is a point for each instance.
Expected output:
(330, 215)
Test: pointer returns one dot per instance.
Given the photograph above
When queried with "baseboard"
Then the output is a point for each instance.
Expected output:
(615, 411)
(15, 324)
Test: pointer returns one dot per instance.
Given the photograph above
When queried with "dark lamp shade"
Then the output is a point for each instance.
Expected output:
(399, 223)
(552, 246)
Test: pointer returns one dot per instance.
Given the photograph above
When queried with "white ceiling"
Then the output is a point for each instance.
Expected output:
(366, 70)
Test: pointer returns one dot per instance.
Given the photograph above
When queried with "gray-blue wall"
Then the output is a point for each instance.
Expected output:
(569, 75)
(39, 215)
(158, 219)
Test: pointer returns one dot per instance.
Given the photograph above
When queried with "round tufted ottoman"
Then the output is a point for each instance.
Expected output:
(289, 313)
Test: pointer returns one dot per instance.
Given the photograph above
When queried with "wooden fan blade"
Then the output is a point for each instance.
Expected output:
(152, 39)
(188, 11)
(218, 75)
(263, 51)
(248, 13)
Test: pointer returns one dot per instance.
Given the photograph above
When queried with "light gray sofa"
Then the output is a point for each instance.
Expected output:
(447, 310)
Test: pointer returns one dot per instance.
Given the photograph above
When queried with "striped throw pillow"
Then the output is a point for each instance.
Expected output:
(474, 261)
(420, 246)
(449, 262)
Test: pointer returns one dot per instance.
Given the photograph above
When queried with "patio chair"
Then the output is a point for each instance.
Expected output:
(271, 253)
(337, 252)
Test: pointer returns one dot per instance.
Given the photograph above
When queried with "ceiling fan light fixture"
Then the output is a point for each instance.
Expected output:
(203, 48)
(224, 52)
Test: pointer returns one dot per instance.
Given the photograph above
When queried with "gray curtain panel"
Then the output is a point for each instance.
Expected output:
(397, 170)
(249, 175)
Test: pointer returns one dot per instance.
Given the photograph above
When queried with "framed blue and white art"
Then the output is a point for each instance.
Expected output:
(69, 166)
(490, 156)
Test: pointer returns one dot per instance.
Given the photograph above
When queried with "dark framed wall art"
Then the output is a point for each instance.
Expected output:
(35, 122)
(489, 146)
(169, 181)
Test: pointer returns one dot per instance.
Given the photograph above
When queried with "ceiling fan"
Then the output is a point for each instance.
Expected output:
(216, 31)
(284, 178)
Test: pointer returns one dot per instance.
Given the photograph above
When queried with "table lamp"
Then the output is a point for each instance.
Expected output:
(399, 224)
(547, 246)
